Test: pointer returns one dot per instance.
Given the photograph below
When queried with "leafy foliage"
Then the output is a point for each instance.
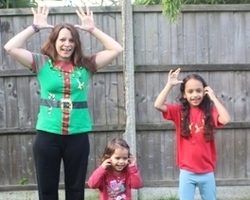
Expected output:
(23, 181)
(172, 7)
(148, 2)
(215, 1)
(17, 4)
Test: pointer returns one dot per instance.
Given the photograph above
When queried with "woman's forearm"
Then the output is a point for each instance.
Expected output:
(19, 40)
(15, 49)
(111, 51)
(108, 42)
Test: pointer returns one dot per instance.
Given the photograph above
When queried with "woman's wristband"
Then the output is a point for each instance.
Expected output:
(36, 29)
(91, 30)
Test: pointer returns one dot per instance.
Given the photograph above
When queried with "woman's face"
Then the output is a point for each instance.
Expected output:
(65, 45)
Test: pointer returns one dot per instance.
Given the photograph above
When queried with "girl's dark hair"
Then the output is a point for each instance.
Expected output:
(78, 58)
(112, 146)
(206, 107)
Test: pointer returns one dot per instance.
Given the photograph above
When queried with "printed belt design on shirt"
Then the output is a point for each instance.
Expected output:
(64, 104)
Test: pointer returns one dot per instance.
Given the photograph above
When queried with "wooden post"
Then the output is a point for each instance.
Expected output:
(128, 73)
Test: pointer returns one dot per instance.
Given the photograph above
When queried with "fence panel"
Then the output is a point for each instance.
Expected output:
(206, 41)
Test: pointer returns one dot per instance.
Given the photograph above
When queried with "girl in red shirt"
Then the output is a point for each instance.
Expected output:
(117, 173)
(195, 118)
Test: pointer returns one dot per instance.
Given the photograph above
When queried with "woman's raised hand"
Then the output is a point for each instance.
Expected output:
(173, 77)
(87, 20)
(40, 17)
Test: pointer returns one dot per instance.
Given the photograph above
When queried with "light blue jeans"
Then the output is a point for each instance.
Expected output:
(188, 182)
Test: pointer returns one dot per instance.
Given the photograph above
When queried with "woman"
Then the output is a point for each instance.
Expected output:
(63, 122)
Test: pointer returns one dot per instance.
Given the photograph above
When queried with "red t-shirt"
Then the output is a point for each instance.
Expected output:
(194, 154)
(115, 186)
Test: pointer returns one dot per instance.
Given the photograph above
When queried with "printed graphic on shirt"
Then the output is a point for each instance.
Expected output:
(195, 128)
(116, 190)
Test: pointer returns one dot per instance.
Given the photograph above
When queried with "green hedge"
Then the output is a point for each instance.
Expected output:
(216, 2)
(159, 2)
(172, 7)
(4, 4)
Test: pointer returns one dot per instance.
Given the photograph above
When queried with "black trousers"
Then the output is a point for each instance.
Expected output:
(49, 150)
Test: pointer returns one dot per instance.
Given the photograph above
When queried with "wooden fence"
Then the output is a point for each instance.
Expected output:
(213, 41)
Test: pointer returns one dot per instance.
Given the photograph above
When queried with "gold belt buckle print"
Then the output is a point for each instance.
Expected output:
(66, 104)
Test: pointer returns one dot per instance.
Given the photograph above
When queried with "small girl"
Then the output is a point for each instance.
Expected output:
(117, 173)
(195, 118)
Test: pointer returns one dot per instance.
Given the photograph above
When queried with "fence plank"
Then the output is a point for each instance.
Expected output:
(121, 99)
(2, 105)
(11, 102)
(111, 97)
(139, 38)
(189, 36)
(239, 37)
(141, 97)
(4, 161)
(27, 159)
(23, 102)
(202, 47)
(240, 144)
(99, 99)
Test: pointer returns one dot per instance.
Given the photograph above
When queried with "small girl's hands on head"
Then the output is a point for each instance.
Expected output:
(40, 17)
(132, 161)
(208, 90)
(106, 163)
(87, 19)
(173, 77)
